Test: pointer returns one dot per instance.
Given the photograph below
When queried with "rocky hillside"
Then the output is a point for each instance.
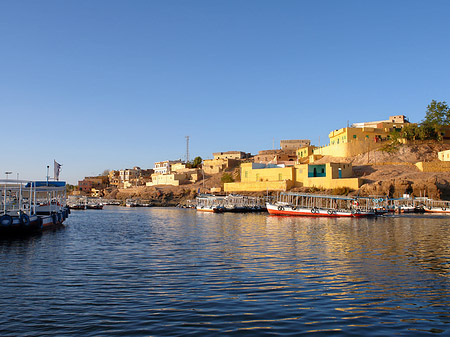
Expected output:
(394, 173)
(384, 173)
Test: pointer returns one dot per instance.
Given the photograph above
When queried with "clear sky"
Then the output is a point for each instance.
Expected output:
(114, 84)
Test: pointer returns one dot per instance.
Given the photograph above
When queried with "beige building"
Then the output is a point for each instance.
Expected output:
(164, 167)
(213, 166)
(174, 173)
(232, 155)
(291, 145)
(113, 178)
(444, 155)
(275, 157)
(175, 178)
(129, 177)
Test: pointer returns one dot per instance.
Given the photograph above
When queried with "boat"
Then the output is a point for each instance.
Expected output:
(316, 205)
(232, 203)
(210, 203)
(131, 203)
(31, 206)
(437, 206)
(75, 202)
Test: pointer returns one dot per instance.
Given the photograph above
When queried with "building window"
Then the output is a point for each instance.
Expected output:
(246, 174)
(280, 176)
(354, 136)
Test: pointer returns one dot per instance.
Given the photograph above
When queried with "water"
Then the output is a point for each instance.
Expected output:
(171, 272)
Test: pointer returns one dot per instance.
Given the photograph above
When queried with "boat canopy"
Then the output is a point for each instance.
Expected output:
(323, 196)
(46, 184)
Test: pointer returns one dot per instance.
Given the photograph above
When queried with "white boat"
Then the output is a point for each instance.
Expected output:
(210, 203)
(435, 206)
(210, 209)
(305, 204)
(31, 206)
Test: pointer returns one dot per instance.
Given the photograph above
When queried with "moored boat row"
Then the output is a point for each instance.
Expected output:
(318, 205)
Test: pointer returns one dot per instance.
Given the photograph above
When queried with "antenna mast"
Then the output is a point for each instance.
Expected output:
(187, 149)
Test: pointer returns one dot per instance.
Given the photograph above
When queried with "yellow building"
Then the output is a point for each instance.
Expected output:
(327, 176)
(361, 137)
(346, 135)
(261, 177)
(306, 155)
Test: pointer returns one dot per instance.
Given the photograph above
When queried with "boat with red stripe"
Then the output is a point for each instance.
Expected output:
(316, 205)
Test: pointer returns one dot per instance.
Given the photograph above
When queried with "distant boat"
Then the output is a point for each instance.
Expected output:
(210, 209)
(94, 206)
(131, 203)
(299, 204)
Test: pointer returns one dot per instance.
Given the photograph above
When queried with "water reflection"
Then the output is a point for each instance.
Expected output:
(160, 271)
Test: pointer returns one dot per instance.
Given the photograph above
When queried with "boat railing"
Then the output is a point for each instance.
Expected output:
(24, 196)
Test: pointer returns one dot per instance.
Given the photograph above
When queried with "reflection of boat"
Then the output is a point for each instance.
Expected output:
(31, 206)
(299, 204)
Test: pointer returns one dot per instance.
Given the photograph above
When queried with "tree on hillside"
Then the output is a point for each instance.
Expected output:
(437, 116)
(197, 162)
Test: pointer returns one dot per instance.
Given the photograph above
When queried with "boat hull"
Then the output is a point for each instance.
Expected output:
(440, 210)
(209, 209)
(16, 225)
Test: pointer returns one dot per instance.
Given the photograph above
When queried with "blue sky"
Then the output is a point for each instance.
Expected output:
(114, 84)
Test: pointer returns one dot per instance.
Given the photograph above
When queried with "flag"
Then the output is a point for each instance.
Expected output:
(56, 169)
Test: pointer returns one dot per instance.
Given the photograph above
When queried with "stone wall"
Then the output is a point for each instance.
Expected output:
(433, 166)
(258, 186)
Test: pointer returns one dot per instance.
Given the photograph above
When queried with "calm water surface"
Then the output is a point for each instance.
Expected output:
(169, 272)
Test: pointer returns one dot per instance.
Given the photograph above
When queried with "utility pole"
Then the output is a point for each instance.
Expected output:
(187, 149)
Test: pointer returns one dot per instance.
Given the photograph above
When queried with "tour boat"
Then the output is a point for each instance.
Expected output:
(305, 204)
(435, 206)
(210, 203)
(210, 209)
(444, 210)
(31, 206)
